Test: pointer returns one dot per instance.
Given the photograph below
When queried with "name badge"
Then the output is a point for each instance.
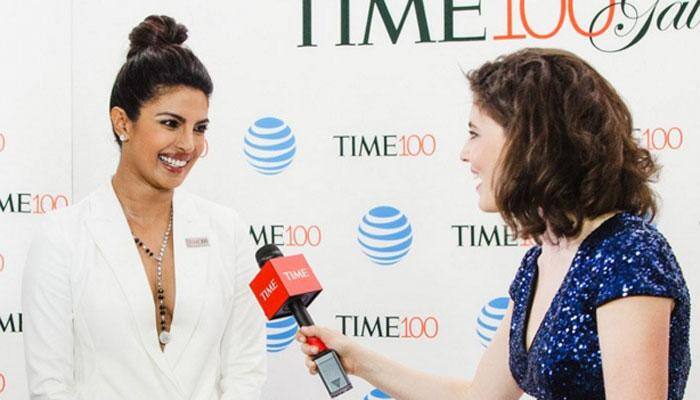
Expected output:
(197, 242)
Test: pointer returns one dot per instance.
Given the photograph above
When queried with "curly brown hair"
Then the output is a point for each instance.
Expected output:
(569, 153)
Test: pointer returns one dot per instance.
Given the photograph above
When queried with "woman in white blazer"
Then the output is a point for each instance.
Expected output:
(140, 291)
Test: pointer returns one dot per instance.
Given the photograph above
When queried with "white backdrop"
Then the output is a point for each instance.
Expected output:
(60, 59)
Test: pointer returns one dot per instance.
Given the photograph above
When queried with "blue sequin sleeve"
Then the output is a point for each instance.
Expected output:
(643, 265)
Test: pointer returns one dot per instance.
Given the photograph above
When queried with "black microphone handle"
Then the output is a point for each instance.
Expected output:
(299, 311)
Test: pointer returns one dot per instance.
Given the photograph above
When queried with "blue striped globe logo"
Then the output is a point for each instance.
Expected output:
(376, 394)
(385, 235)
(490, 318)
(269, 146)
(280, 334)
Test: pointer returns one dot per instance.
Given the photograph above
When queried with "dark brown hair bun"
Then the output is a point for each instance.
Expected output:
(156, 31)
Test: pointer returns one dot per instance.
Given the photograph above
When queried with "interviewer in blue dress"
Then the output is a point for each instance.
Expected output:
(599, 308)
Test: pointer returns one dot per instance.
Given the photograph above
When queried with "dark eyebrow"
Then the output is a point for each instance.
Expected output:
(472, 126)
(177, 117)
(180, 118)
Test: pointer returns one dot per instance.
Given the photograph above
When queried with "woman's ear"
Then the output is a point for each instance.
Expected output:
(121, 124)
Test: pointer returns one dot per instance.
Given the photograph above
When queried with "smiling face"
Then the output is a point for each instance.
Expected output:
(482, 151)
(167, 138)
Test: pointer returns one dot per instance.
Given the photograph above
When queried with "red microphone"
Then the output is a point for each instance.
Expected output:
(286, 286)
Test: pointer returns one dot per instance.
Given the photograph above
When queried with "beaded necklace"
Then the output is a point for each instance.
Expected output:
(164, 337)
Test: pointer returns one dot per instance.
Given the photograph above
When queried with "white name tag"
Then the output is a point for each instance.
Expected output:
(197, 242)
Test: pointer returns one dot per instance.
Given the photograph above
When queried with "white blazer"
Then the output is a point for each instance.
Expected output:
(89, 314)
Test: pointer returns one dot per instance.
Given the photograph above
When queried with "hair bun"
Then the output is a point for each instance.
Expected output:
(156, 31)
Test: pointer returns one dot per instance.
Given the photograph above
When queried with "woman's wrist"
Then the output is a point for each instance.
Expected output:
(363, 361)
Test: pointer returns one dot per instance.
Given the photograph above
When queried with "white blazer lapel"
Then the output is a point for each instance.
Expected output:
(111, 233)
(191, 235)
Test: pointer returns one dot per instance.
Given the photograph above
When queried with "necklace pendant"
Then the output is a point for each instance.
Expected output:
(164, 337)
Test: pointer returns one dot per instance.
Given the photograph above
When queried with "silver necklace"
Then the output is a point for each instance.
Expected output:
(164, 337)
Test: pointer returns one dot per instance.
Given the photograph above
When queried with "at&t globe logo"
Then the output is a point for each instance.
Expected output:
(280, 334)
(269, 146)
(490, 318)
(376, 394)
(385, 235)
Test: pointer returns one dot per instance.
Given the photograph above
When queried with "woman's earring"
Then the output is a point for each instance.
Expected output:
(123, 138)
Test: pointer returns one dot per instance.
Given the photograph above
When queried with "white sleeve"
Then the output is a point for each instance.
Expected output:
(243, 354)
(47, 313)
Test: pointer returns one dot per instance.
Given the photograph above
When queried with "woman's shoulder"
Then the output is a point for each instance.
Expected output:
(627, 235)
(631, 257)
(66, 220)
(87, 206)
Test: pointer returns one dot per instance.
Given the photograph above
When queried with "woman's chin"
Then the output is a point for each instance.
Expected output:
(487, 207)
(168, 182)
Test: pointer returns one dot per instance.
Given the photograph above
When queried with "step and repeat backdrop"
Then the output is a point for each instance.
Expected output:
(329, 116)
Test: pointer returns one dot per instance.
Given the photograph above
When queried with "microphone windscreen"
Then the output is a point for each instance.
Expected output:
(267, 252)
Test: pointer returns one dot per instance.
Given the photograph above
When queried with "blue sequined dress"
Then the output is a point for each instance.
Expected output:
(624, 256)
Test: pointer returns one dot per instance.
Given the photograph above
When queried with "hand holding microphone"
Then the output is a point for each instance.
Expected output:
(346, 349)
(286, 286)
